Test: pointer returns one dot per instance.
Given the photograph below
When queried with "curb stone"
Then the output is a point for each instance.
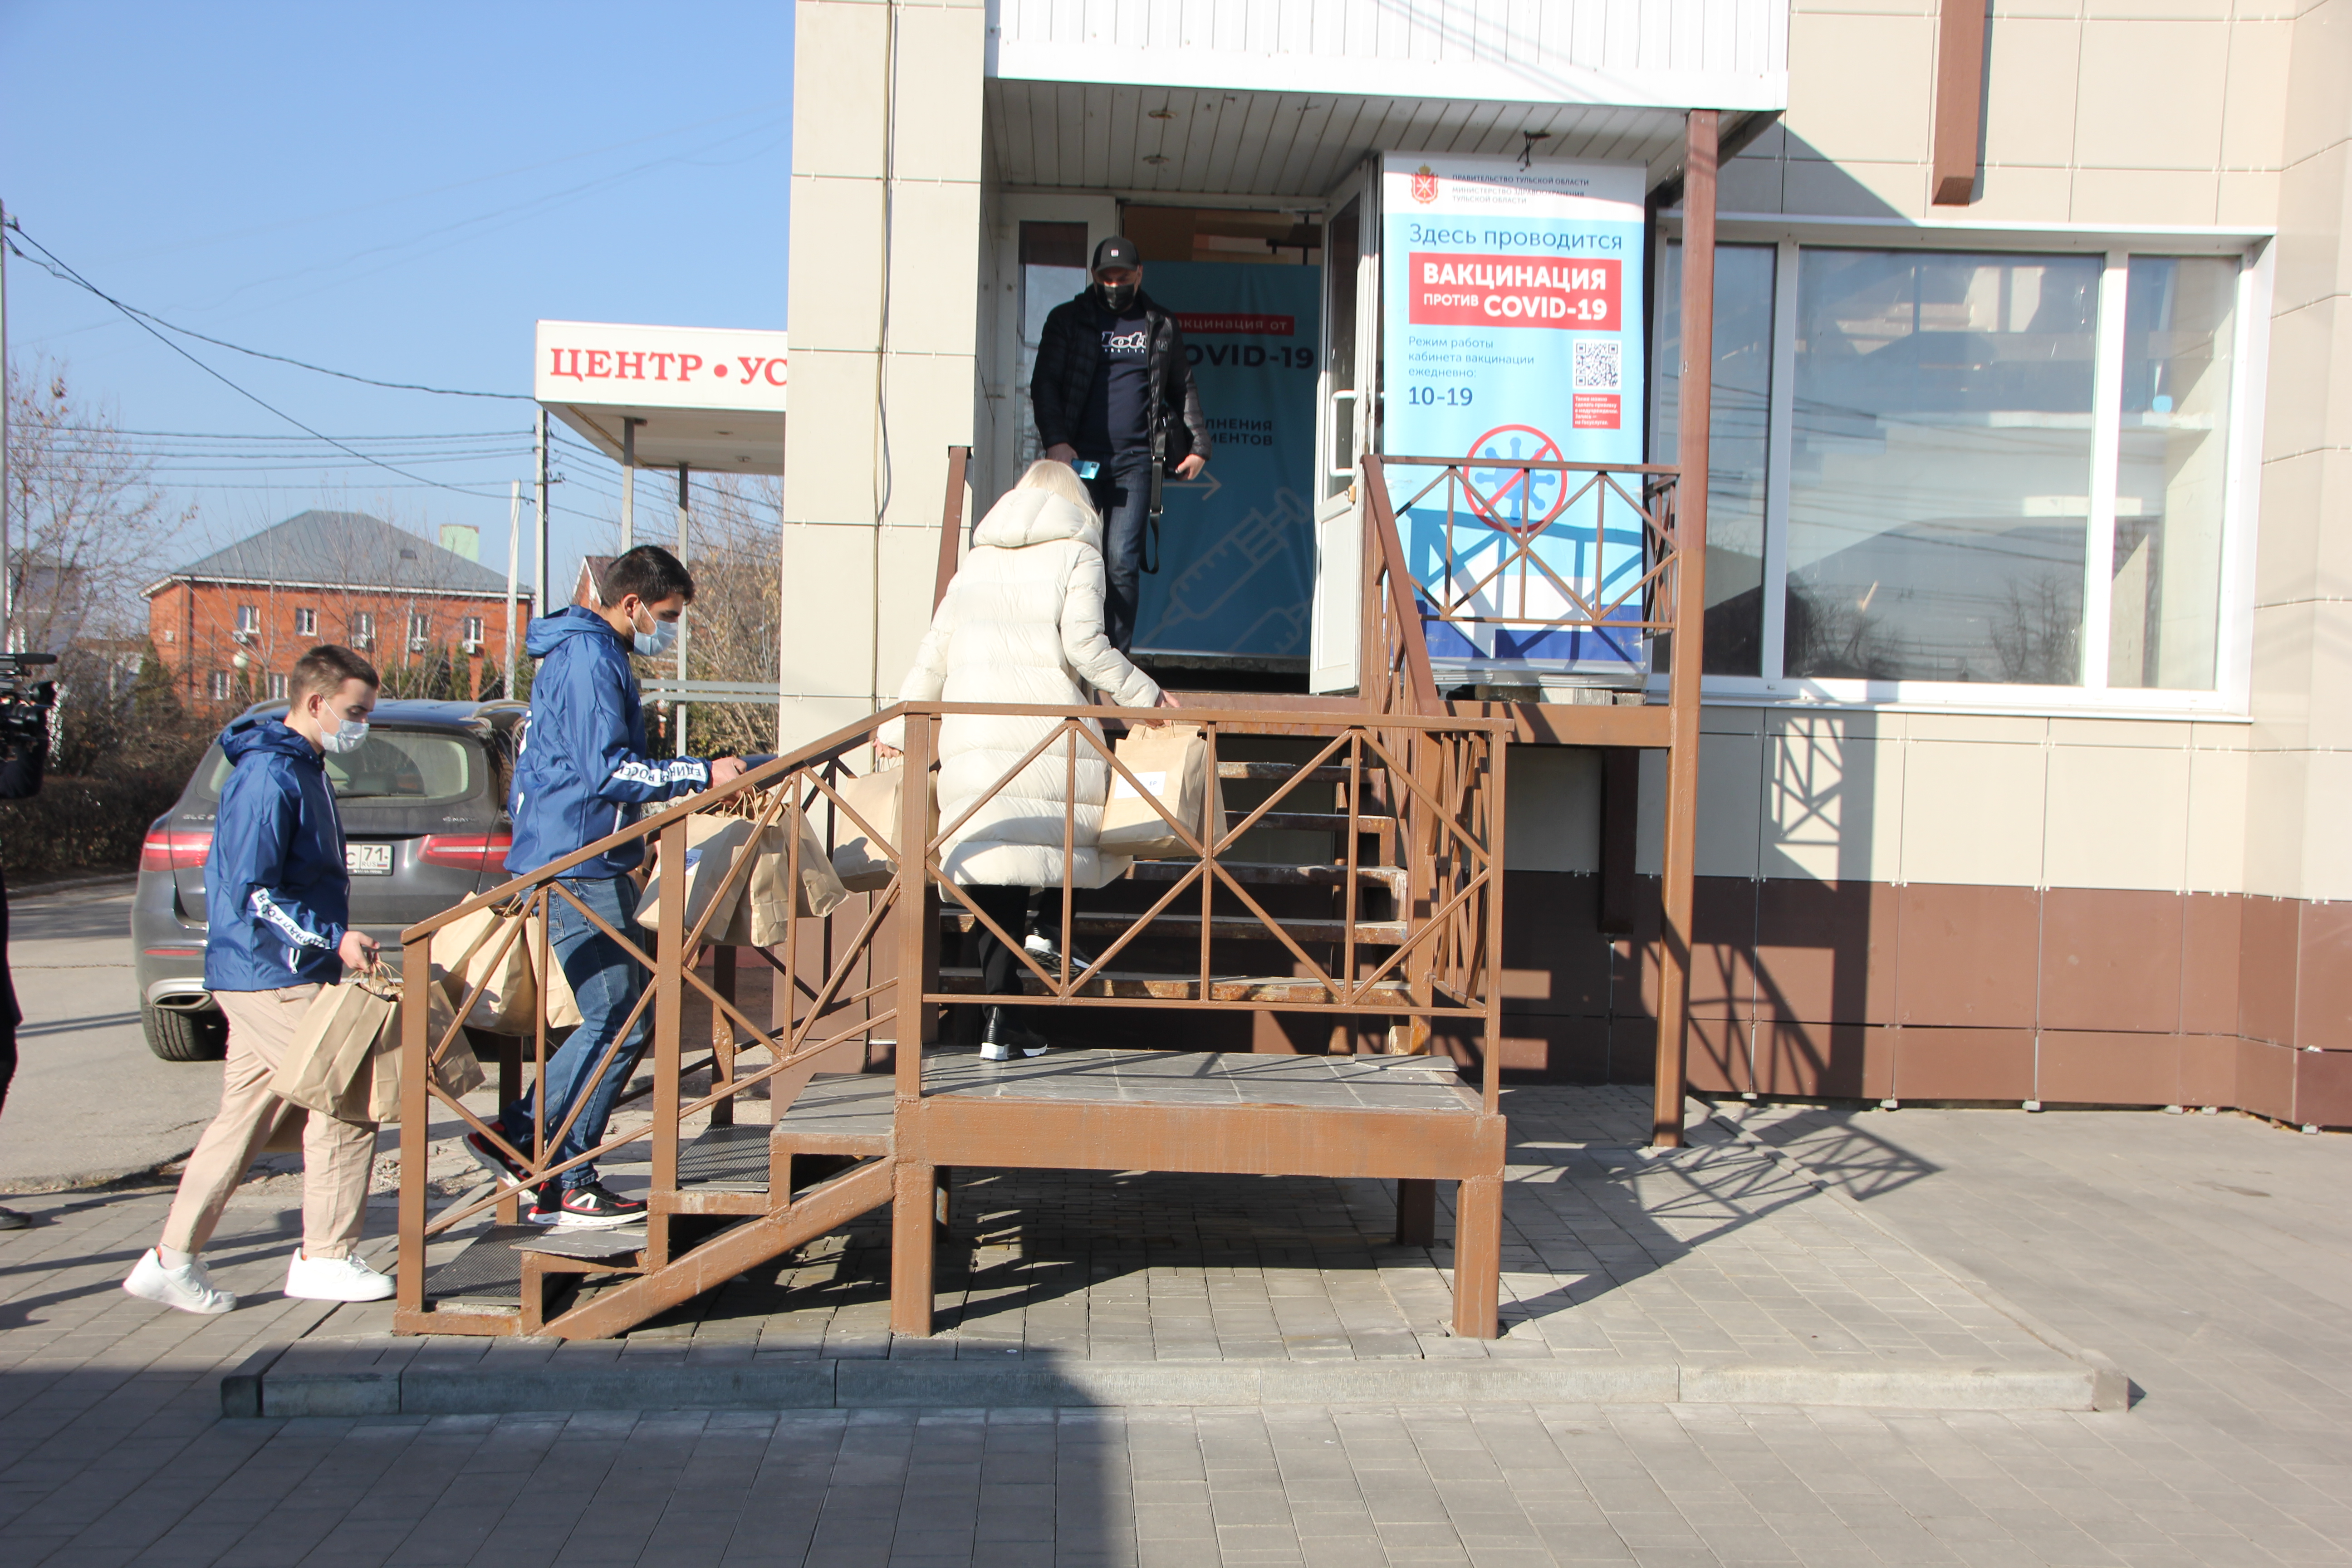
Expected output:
(259, 1389)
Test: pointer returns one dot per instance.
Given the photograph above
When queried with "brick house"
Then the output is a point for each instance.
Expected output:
(230, 626)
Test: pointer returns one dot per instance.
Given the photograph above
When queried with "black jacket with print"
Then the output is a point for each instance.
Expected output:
(1071, 347)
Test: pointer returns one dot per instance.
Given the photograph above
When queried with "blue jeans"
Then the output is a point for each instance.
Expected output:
(1122, 492)
(607, 983)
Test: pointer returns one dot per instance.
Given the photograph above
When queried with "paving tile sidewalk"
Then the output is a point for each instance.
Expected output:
(2214, 1255)
(1719, 1255)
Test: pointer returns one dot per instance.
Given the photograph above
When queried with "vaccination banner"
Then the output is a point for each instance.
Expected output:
(1237, 544)
(1511, 316)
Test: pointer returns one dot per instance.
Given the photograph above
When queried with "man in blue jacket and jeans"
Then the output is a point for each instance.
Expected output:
(583, 772)
(278, 928)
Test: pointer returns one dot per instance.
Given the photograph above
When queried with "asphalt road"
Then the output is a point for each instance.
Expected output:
(90, 1102)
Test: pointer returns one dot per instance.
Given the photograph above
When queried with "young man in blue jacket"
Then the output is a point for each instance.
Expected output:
(585, 771)
(278, 927)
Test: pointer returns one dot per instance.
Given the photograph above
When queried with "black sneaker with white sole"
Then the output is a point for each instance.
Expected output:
(546, 1203)
(1041, 946)
(493, 1159)
(591, 1207)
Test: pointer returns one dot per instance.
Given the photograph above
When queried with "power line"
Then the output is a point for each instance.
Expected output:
(138, 320)
(64, 274)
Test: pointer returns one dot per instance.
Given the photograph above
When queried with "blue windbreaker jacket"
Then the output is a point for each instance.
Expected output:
(277, 893)
(582, 771)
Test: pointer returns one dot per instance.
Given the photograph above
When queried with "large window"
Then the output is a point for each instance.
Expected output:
(1984, 467)
(1053, 270)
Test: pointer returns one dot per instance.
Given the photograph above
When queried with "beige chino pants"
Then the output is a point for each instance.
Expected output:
(335, 1154)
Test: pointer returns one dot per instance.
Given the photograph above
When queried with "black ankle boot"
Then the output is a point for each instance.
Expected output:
(1003, 1034)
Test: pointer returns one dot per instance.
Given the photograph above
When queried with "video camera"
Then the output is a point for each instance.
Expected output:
(24, 702)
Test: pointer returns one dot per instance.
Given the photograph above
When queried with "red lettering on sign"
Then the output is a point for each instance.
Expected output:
(1458, 290)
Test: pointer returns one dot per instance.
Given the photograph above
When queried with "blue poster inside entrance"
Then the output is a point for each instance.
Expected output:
(1237, 544)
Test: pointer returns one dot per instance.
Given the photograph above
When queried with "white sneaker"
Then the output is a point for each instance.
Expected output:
(344, 1278)
(191, 1290)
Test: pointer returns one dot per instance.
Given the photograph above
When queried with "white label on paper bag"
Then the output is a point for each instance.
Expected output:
(1157, 782)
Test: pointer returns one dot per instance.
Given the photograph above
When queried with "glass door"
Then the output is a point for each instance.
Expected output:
(1347, 420)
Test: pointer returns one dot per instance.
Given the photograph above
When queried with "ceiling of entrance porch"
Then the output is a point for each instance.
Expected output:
(1095, 136)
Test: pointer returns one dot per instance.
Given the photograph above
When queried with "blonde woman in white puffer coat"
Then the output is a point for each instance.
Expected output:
(1022, 622)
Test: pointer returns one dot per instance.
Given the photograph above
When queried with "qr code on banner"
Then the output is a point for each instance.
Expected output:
(1597, 364)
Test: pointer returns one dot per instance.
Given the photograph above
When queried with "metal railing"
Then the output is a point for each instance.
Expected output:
(1439, 779)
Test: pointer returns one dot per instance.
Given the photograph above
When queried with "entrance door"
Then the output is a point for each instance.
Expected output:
(1347, 421)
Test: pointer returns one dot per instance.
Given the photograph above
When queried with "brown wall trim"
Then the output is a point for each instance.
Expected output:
(1960, 101)
(1871, 990)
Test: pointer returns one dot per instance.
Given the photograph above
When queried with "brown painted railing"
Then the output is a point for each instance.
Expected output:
(1596, 505)
(1434, 962)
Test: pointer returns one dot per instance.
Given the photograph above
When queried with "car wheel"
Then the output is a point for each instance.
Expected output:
(179, 1036)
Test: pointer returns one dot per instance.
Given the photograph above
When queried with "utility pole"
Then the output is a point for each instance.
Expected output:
(684, 631)
(628, 482)
(540, 608)
(514, 550)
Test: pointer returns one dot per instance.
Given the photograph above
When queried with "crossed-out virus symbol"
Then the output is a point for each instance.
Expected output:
(1517, 502)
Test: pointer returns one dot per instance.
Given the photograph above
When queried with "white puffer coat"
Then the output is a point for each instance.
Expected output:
(1022, 622)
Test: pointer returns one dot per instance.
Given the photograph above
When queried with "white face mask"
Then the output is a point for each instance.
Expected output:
(346, 736)
(657, 642)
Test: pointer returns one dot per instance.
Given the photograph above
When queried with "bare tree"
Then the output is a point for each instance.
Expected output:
(737, 559)
(86, 523)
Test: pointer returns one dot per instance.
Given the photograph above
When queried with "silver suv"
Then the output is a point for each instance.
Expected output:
(423, 804)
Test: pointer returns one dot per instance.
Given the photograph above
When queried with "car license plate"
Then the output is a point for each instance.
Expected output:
(368, 859)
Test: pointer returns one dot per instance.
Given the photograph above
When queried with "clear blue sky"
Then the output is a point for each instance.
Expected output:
(399, 191)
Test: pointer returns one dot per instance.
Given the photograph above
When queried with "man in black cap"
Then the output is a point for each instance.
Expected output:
(1113, 389)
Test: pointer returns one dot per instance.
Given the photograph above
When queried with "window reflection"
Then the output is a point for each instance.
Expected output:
(2169, 495)
(1940, 482)
(1738, 440)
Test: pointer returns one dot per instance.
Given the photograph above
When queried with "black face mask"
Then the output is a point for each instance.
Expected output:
(1116, 296)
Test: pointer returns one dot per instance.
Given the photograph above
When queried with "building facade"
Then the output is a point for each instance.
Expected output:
(230, 626)
(2024, 777)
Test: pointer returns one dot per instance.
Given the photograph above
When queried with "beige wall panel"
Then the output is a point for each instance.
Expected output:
(2295, 526)
(2327, 835)
(1972, 813)
(2330, 725)
(828, 610)
(2118, 817)
(837, 88)
(941, 66)
(2313, 197)
(829, 442)
(934, 237)
(2249, 199)
(910, 572)
(1553, 812)
(2158, 10)
(2297, 417)
(2253, 114)
(2318, 109)
(1749, 183)
(929, 400)
(2004, 10)
(2128, 197)
(2217, 822)
(2217, 736)
(2275, 785)
(2283, 664)
(2022, 195)
(807, 719)
(1730, 781)
(2121, 123)
(1858, 84)
(1818, 189)
(1984, 729)
(1833, 802)
(2030, 76)
(837, 256)
(2147, 734)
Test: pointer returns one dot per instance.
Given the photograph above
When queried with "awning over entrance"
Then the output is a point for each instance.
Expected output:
(710, 399)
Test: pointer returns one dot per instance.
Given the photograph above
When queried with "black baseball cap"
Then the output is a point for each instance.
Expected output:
(1116, 251)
